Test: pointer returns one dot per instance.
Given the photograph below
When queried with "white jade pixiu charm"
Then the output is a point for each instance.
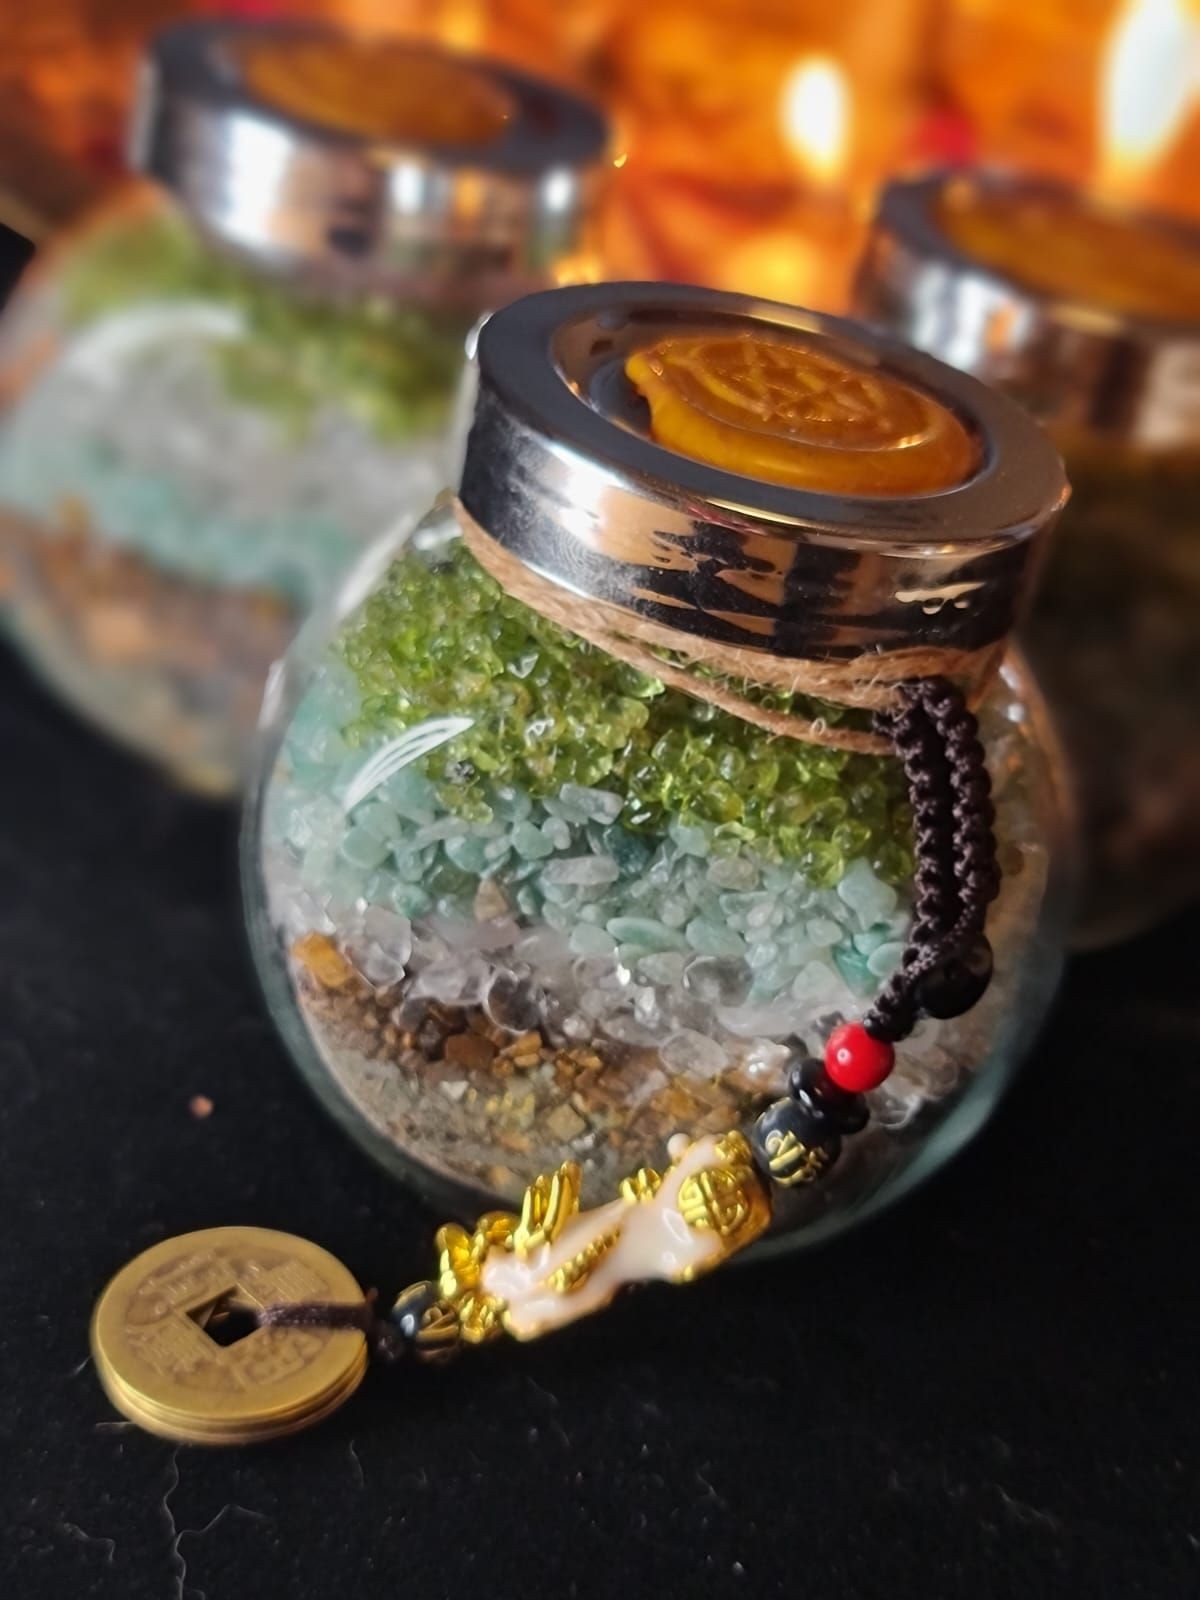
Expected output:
(525, 1275)
(531, 1274)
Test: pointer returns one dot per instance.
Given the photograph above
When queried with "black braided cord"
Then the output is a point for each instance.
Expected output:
(384, 1339)
(936, 737)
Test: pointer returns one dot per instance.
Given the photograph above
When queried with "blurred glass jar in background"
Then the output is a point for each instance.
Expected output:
(517, 899)
(224, 383)
(1090, 317)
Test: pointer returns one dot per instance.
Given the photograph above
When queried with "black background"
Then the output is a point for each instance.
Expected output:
(991, 1392)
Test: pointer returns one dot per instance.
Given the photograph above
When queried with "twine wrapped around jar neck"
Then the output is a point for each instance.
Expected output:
(867, 683)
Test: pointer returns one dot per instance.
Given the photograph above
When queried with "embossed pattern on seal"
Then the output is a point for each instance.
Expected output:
(792, 413)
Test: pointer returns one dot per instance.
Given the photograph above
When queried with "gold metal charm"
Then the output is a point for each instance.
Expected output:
(158, 1337)
(554, 1263)
(640, 1185)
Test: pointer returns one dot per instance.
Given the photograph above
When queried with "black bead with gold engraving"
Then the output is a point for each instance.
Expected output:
(795, 1143)
(426, 1322)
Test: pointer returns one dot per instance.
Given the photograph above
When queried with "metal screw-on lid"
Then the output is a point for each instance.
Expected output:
(289, 142)
(1081, 365)
(561, 470)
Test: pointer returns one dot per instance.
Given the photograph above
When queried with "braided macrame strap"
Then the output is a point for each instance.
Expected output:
(936, 737)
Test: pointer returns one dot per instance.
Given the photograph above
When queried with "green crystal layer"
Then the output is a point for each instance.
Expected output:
(393, 368)
(441, 638)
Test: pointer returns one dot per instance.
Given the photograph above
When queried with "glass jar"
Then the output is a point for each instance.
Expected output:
(516, 899)
(226, 381)
(1091, 318)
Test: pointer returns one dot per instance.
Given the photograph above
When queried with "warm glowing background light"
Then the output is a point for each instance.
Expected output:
(754, 134)
(815, 113)
(1150, 84)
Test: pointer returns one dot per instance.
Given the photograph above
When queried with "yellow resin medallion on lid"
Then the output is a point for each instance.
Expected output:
(793, 413)
(380, 91)
(1057, 244)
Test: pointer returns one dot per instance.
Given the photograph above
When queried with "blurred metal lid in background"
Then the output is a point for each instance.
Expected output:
(302, 145)
(1078, 361)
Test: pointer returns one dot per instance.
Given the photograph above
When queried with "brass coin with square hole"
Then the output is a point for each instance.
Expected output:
(178, 1349)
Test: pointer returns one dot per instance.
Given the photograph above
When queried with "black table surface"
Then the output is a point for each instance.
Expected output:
(992, 1391)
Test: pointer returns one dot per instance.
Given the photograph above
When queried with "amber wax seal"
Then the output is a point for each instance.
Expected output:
(1088, 311)
(383, 89)
(792, 413)
(1056, 242)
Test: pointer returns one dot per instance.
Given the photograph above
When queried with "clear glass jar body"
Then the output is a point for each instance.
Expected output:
(190, 451)
(515, 903)
(1114, 635)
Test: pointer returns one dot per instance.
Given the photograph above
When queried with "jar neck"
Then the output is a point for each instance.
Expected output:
(463, 282)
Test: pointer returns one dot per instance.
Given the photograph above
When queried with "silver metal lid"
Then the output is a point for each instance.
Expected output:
(326, 189)
(1079, 366)
(561, 470)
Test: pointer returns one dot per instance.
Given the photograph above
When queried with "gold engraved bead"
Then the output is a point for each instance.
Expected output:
(437, 1338)
(793, 1162)
(160, 1337)
(428, 1322)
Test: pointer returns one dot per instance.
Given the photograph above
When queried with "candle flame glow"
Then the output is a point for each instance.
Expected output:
(816, 116)
(1151, 80)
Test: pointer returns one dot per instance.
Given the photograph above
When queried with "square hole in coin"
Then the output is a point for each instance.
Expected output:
(226, 1320)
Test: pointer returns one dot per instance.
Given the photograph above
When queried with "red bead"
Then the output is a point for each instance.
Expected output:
(855, 1061)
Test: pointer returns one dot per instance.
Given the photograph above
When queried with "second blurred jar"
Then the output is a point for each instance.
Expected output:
(1092, 318)
(225, 382)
